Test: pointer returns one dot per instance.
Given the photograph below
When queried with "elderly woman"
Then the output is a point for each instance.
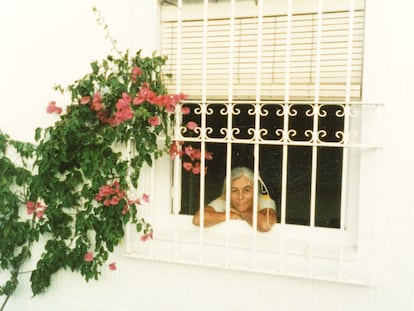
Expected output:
(241, 203)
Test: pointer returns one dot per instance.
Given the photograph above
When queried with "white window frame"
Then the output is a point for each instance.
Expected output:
(342, 255)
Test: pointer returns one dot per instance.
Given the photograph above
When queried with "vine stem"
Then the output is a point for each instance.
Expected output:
(101, 21)
(16, 272)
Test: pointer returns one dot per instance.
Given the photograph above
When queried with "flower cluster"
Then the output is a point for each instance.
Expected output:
(52, 108)
(113, 195)
(110, 194)
(192, 156)
(147, 236)
(37, 208)
(89, 257)
(124, 105)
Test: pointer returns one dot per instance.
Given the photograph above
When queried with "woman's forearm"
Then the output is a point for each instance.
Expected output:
(211, 217)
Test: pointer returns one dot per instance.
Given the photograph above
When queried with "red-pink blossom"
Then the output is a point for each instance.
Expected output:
(188, 166)
(114, 200)
(188, 150)
(208, 155)
(136, 72)
(37, 208)
(125, 209)
(105, 190)
(40, 210)
(112, 266)
(97, 104)
(88, 257)
(196, 169)
(147, 236)
(185, 110)
(192, 125)
(196, 154)
(52, 108)
(175, 150)
(30, 205)
(85, 100)
(154, 121)
(145, 198)
(145, 94)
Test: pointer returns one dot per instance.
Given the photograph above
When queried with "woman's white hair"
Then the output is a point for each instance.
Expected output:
(238, 172)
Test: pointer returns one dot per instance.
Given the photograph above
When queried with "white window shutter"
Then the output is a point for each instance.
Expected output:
(333, 64)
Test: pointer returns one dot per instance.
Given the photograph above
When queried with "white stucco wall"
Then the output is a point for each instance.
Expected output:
(48, 41)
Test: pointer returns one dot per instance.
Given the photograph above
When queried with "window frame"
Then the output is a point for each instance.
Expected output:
(349, 247)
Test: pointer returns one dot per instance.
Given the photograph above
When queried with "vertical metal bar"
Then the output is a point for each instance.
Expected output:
(229, 124)
(177, 125)
(286, 114)
(347, 107)
(316, 114)
(285, 149)
(177, 133)
(257, 124)
(203, 126)
(315, 133)
(345, 156)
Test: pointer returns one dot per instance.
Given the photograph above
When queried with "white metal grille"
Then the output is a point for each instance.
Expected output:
(296, 78)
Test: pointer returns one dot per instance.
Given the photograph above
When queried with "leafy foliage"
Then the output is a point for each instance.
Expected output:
(72, 188)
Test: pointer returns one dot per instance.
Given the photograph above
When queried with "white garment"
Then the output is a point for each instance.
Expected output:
(265, 201)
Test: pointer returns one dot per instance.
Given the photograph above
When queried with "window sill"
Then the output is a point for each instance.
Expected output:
(286, 250)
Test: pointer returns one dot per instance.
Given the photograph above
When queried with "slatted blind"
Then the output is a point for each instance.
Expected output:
(303, 50)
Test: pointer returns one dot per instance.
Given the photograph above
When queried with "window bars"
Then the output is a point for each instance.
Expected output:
(279, 91)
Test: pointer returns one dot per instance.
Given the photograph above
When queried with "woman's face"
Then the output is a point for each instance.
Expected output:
(241, 194)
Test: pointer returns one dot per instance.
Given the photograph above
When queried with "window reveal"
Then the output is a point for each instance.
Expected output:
(322, 68)
(329, 166)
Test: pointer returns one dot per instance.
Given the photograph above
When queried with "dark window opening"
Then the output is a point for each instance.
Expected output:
(299, 160)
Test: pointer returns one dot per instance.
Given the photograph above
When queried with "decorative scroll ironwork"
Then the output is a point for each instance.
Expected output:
(332, 124)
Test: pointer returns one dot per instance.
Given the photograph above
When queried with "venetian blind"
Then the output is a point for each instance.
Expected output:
(302, 57)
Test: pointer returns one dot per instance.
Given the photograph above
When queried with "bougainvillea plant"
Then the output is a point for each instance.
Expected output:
(73, 191)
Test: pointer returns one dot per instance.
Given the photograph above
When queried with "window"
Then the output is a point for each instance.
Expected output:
(275, 86)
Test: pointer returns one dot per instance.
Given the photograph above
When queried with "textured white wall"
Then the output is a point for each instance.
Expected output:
(45, 42)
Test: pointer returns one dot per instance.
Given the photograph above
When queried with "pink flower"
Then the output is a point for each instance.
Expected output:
(125, 209)
(136, 72)
(105, 191)
(196, 154)
(30, 205)
(196, 169)
(185, 110)
(52, 108)
(188, 166)
(208, 155)
(37, 208)
(147, 236)
(154, 121)
(112, 266)
(88, 257)
(192, 125)
(175, 150)
(85, 100)
(145, 198)
(40, 210)
(114, 200)
(97, 102)
(145, 94)
(188, 150)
